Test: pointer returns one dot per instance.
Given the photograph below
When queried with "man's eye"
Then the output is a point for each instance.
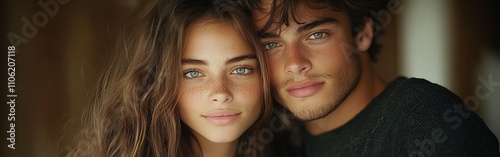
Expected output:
(241, 71)
(270, 45)
(192, 74)
(317, 35)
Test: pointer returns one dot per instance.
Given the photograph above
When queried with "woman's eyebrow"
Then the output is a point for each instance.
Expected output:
(193, 61)
(229, 61)
(240, 58)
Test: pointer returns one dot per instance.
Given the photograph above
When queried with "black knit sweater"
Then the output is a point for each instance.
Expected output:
(411, 117)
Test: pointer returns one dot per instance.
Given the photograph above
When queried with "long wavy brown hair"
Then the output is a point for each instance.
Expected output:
(134, 112)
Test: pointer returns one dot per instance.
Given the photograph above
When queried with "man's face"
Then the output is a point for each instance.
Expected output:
(312, 65)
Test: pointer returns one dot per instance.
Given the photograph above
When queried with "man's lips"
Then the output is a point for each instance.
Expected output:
(222, 117)
(305, 89)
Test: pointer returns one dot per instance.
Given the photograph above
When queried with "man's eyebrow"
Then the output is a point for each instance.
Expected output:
(241, 58)
(229, 61)
(308, 26)
(316, 23)
(268, 35)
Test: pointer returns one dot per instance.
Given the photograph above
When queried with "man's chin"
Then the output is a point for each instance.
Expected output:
(304, 112)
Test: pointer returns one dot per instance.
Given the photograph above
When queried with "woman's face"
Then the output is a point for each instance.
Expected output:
(221, 89)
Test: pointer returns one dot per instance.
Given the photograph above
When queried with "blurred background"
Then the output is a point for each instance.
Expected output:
(61, 46)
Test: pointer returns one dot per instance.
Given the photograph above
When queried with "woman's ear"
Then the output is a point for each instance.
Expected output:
(365, 36)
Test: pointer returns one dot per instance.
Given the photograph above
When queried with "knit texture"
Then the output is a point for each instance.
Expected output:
(411, 117)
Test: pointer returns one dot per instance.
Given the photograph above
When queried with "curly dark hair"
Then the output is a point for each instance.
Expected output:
(283, 11)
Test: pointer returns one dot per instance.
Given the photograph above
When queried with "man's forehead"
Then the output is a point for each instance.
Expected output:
(303, 15)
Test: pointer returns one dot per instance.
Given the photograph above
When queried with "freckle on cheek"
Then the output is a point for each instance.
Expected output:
(251, 90)
(193, 94)
(199, 92)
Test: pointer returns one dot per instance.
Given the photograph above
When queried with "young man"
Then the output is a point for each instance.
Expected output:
(320, 55)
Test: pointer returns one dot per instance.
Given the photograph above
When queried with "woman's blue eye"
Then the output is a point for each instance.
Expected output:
(192, 74)
(241, 71)
(317, 35)
(270, 45)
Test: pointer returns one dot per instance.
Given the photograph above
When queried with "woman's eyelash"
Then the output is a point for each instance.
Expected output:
(247, 70)
(192, 73)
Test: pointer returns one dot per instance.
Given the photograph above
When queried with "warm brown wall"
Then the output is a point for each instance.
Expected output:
(56, 69)
(387, 59)
(475, 29)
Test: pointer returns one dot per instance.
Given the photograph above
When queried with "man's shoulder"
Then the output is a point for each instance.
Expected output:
(411, 95)
(414, 90)
(430, 116)
(415, 101)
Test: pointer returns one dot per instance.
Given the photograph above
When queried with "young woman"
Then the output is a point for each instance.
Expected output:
(193, 82)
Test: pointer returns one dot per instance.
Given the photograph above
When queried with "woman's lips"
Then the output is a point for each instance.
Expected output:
(305, 89)
(223, 117)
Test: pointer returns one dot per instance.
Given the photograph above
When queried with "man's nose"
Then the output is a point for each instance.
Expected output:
(296, 61)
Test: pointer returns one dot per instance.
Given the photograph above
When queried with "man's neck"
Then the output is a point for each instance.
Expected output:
(369, 86)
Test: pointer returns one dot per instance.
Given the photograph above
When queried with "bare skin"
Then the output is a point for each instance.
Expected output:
(220, 93)
(319, 70)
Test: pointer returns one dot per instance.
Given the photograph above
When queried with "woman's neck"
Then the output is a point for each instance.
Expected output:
(211, 149)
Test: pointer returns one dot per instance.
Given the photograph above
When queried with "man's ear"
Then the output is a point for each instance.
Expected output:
(365, 36)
